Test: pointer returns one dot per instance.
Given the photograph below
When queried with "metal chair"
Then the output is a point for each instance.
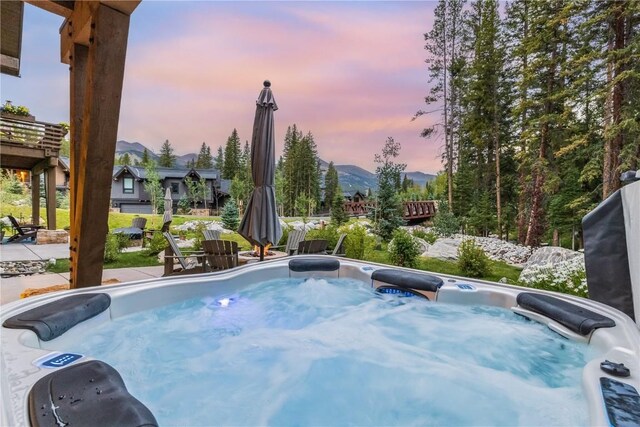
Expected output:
(312, 247)
(220, 254)
(188, 264)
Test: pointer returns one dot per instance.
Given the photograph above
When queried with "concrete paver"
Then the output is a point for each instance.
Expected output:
(12, 287)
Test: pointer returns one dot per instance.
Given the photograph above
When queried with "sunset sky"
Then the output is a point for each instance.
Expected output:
(352, 73)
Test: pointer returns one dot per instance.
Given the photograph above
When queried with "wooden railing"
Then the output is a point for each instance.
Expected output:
(423, 209)
(24, 131)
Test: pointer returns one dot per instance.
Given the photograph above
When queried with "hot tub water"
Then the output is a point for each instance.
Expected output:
(318, 352)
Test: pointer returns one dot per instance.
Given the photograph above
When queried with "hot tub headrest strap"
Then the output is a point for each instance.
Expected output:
(51, 320)
(408, 279)
(576, 318)
(87, 394)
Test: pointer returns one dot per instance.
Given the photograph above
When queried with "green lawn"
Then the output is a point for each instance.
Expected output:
(142, 258)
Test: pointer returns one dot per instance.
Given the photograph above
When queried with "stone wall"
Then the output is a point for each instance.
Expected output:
(46, 237)
(200, 212)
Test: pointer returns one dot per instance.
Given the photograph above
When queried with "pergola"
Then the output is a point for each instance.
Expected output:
(93, 41)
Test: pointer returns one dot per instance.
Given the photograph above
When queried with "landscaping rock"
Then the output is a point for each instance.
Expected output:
(46, 237)
(444, 248)
(550, 255)
(498, 250)
(15, 268)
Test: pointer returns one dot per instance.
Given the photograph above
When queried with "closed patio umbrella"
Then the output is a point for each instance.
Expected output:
(260, 224)
(168, 207)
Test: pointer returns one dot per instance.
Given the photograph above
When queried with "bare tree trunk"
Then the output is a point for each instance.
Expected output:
(523, 197)
(447, 139)
(496, 143)
(613, 145)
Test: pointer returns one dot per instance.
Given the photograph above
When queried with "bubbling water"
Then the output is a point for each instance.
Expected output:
(318, 352)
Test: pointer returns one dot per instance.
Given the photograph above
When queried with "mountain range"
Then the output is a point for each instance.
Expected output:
(351, 177)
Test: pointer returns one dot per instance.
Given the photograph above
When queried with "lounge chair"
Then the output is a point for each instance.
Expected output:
(193, 263)
(339, 249)
(294, 239)
(211, 234)
(312, 247)
(22, 232)
(220, 254)
(136, 231)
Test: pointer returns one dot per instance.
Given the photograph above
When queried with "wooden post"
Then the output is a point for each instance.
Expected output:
(50, 186)
(78, 68)
(35, 198)
(168, 261)
(94, 162)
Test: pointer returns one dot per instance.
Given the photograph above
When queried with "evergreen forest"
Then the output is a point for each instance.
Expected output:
(536, 105)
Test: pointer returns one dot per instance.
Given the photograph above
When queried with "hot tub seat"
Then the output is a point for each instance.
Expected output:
(303, 265)
(408, 280)
(578, 319)
(87, 394)
(51, 320)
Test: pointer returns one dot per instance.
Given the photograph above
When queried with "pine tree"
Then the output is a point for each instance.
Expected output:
(167, 158)
(219, 160)
(124, 160)
(446, 44)
(338, 215)
(230, 215)
(331, 185)
(232, 154)
(204, 160)
(387, 214)
(145, 157)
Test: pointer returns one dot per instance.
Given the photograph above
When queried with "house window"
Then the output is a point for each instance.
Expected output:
(127, 185)
(175, 187)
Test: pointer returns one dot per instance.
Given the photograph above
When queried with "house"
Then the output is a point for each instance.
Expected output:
(356, 197)
(129, 196)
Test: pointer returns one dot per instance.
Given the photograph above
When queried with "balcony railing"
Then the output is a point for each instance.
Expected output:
(27, 132)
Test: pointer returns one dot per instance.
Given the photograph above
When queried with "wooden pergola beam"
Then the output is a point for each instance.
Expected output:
(62, 8)
(94, 152)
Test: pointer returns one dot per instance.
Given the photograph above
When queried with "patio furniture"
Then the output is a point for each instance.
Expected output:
(220, 254)
(211, 234)
(312, 247)
(193, 263)
(293, 240)
(22, 232)
(339, 249)
(136, 231)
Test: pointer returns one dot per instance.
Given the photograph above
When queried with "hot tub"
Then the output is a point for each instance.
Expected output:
(433, 350)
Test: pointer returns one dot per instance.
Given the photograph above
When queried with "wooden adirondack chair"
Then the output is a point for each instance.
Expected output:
(211, 234)
(294, 239)
(23, 232)
(220, 254)
(312, 247)
(339, 249)
(193, 263)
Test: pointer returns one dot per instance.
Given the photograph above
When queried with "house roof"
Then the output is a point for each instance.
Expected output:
(140, 172)
(64, 162)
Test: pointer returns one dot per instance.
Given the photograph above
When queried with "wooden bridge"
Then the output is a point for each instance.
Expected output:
(411, 211)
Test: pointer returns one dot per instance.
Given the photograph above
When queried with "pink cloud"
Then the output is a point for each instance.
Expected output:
(349, 73)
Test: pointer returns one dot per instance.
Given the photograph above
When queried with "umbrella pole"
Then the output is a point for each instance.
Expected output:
(261, 252)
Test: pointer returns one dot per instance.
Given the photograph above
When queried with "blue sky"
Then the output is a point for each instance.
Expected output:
(352, 73)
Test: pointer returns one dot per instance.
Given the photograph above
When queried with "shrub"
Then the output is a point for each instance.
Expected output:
(329, 233)
(157, 244)
(184, 206)
(197, 242)
(338, 215)
(404, 249)
(567, 276)
(62, 199)
(472, 260)
(230, 215)
(445, 223)
(427, 236)
(112, 247)
(356, 242)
